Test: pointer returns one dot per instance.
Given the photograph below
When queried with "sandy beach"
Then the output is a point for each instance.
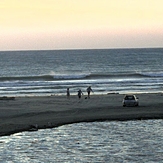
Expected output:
(21, 113)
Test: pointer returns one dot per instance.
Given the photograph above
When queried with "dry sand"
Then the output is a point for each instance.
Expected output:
(19, 114)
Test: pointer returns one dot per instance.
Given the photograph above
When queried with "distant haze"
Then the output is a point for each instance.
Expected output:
(80, 24)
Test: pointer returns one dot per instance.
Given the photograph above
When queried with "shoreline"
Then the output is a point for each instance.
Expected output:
(24, 113)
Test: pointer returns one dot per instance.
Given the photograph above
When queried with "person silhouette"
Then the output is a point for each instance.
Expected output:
(80, 93)
(68, 93)
(89, 90)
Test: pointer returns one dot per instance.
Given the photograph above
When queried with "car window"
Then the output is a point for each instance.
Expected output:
(129, 98)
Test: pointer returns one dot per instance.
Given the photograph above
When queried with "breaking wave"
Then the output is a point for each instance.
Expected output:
(80, 76)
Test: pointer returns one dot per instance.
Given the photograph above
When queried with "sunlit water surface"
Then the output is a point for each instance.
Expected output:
(131, 141)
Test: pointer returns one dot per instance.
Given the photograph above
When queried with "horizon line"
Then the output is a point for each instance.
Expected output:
(67, 49)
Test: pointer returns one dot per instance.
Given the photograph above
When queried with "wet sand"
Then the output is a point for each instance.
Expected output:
(22, 113)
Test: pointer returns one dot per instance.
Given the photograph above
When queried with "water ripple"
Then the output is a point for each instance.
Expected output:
(132, 141)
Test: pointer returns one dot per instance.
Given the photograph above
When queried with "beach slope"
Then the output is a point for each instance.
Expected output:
(32, 113)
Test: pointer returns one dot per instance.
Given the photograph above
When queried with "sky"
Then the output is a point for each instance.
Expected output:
(80, 24)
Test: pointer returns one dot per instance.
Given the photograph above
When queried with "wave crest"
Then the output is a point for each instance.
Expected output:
(81, 76)
(153, 74)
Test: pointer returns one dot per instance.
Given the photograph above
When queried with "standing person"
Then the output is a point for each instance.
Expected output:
(89, 90)
(80, 93)
(68, 93)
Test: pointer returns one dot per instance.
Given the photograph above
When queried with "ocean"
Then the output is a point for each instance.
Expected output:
(45, 73)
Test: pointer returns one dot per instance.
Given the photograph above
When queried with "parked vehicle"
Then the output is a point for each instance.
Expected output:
(130, 100)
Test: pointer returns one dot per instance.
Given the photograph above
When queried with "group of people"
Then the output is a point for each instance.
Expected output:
(80, 93)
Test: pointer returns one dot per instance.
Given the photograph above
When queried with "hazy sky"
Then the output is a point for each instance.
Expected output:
(80, 24)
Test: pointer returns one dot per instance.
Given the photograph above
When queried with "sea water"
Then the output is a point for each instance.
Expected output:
(40, 73)
(117, 141)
